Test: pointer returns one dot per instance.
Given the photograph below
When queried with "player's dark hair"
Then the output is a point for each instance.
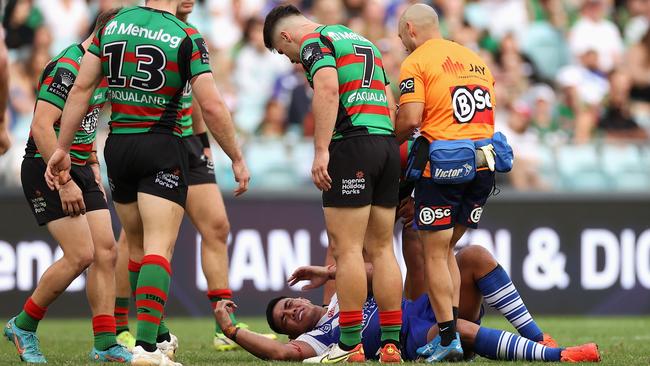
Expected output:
(269, 314)
(104, 17)
(278, 13)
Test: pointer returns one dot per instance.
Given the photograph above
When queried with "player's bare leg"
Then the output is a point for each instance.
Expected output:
(413, 252)
(73, 235)
(330, 286)
(346, 229)
(123, 294)
(207, 211)
(386, 279)
(142, 225)
(100, 289)
(454, 271)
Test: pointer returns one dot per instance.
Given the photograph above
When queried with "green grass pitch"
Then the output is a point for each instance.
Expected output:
(622, 340)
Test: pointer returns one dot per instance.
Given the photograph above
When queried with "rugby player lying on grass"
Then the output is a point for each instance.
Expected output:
(312, 328)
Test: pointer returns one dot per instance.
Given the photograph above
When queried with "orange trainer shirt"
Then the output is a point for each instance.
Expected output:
(456, 87)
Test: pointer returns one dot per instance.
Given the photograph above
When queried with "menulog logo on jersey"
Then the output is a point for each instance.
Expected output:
(116, 27)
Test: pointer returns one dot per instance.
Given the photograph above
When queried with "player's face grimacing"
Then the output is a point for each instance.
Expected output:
(185, 7)
(286, 46)
(295, 316)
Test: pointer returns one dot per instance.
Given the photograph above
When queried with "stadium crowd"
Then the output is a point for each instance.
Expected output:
(572, 79)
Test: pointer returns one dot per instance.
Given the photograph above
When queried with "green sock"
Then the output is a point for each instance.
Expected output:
(163, 332)
(150, 298)
(215, 296)
(104, 332)
(390, 333)
(351, 336)
(30, 316)
(121, 314)
(26, 322)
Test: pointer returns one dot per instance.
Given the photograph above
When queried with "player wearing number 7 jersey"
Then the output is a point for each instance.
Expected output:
(448, 92)
(356, 165)
(148, 56)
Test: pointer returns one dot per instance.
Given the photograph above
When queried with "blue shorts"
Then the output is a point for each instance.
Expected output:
(442, 206)
(417, 319)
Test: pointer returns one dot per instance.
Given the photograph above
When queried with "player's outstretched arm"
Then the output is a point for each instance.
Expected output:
(319, 275)
(325, 106)
(217, 119)
(409, 118)
(256, 344)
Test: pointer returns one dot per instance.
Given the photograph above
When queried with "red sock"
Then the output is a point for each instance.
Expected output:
(218, 295)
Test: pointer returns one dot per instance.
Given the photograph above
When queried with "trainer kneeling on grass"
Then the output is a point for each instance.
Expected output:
(313, 329)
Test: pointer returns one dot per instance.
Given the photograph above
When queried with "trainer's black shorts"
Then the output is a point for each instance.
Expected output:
(45, 203)
(201, 168)
(150, 163)
(365, 170)
(441, 206)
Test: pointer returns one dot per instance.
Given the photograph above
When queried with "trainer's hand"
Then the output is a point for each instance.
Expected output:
(222, 312)
(319, 173)
(72, 199)
(407, 210)
(57, 172)
(241, 176)
(316, 275)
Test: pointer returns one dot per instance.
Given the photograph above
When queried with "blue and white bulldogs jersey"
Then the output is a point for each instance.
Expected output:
(327, 330)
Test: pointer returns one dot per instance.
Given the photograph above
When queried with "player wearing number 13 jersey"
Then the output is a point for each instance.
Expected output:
(356, 165)
(148, 56)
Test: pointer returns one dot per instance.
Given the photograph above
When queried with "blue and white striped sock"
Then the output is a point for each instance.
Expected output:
(499, 292)
(501, 345)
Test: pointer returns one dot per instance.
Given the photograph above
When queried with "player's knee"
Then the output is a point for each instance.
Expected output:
(106, 255)
(217, 230)
(475, 257)
(81, 259)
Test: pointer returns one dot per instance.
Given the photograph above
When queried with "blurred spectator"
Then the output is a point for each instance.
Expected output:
(592, 32)
(273, 125)
(616, 120)
(638, 63)
(525, 144)
(328, 11)
(67, 20)
(254, 74)
(637, 26)
(23, 78)
(21, 22)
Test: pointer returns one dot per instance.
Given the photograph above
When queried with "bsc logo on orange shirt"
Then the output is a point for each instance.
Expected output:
(471, 103)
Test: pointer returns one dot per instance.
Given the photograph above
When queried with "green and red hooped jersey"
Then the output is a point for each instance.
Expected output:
(363, 106)
(54, 85)
(148, 57)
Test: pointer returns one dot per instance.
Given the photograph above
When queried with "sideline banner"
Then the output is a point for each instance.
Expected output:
(566, 255)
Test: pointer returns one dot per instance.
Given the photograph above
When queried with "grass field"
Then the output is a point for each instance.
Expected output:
(622, 340)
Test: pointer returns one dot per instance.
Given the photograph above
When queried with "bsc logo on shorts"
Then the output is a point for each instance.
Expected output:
(475, 215)
(436, 215)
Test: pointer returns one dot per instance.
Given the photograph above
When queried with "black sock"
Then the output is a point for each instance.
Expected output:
(163, 337)
(454, 311)
(345, 347)
(146, 346)
(447, 332)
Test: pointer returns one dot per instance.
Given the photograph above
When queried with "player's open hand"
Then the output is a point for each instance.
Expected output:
(222, 311)
(316, 275)
(57, 172)
(319, 173)
(72, 199)
(242, 176)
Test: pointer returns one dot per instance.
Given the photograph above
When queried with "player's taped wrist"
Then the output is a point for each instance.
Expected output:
(205, 141)
(231, 332)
